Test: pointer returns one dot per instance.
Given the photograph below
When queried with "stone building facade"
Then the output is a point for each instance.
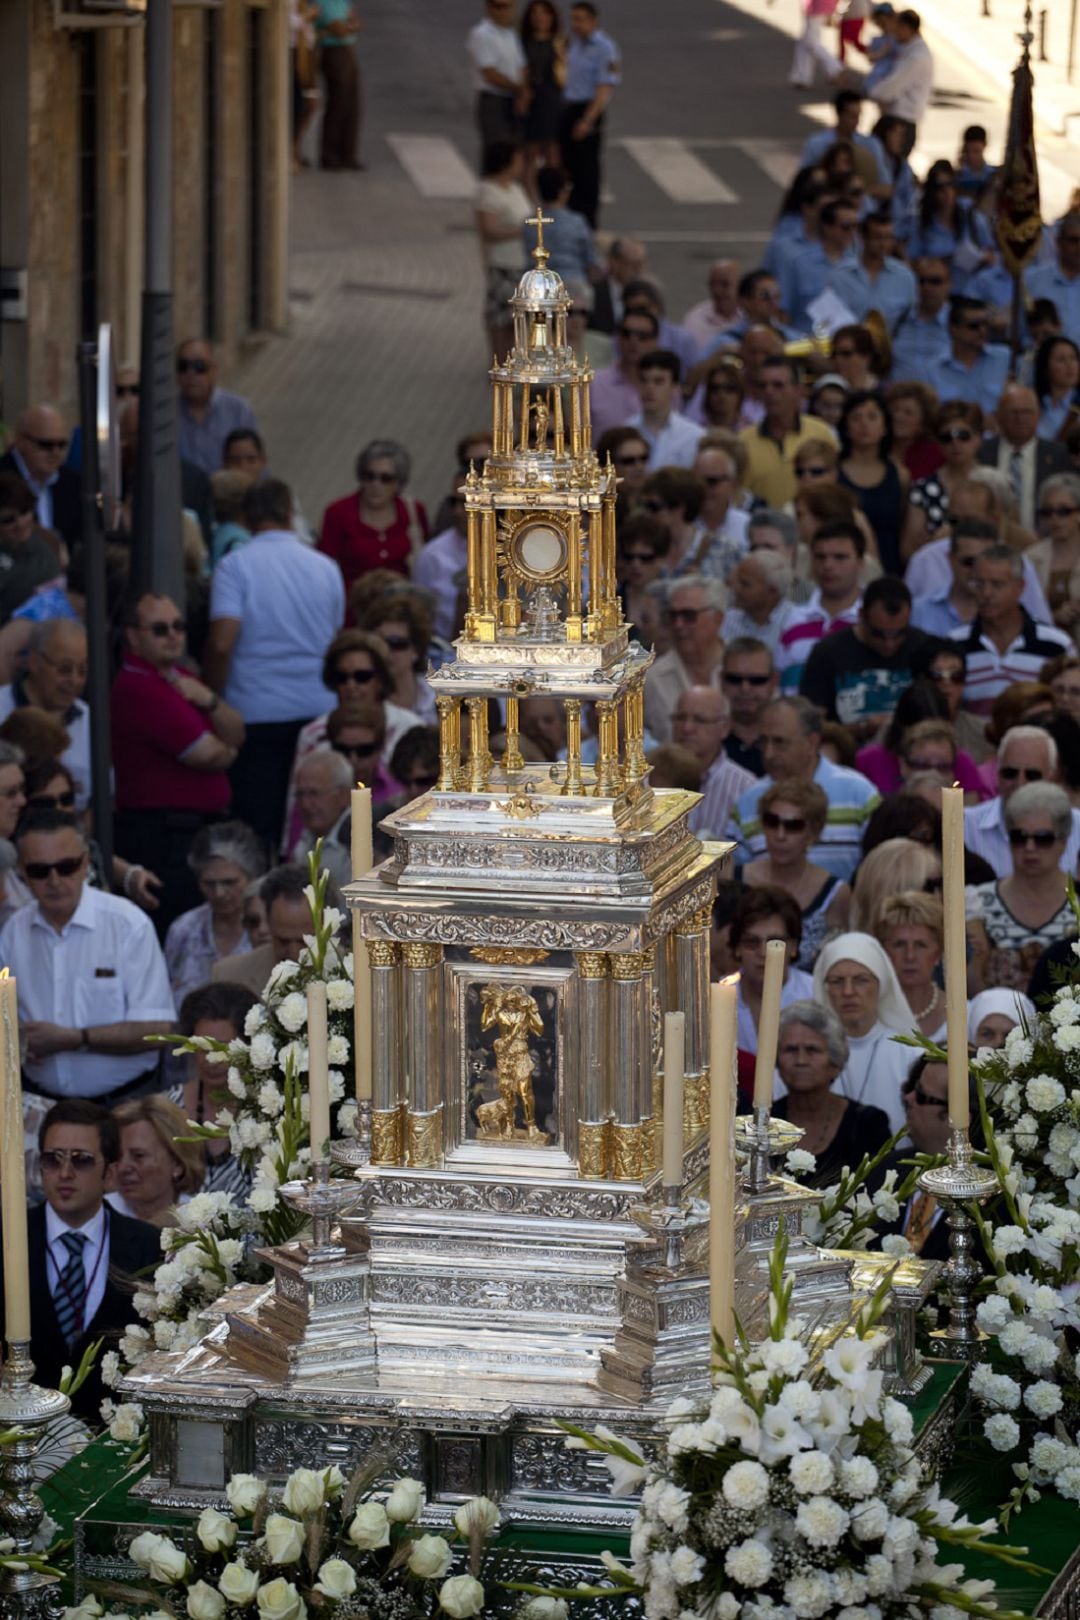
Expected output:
(72, 105)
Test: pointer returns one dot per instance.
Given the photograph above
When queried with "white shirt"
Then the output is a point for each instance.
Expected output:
(490, 46)
(928, 572)
(1027, 491)
(673, 445)
(798, 986)
(985, 835)
(106, 967)
(95, 1263)
(440, 567)
(736, 623)
(76, 755)
(905, 92)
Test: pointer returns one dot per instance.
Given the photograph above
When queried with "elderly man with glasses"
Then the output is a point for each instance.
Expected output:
(173, 741)
(84, 1257)
(208, 414)
(54, 680)
(37, 454)
(1025, 754)
(92, 979)
(694, 610)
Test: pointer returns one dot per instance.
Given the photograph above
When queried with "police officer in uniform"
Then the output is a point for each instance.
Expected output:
(592, 72)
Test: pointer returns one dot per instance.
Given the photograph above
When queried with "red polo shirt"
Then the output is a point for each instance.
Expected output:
(153, 726)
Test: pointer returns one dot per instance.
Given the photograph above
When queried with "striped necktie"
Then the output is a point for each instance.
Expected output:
(70, 1299)
(920, 1220)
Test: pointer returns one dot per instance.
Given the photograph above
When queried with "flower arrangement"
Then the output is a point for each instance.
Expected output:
(848, 1215)
(324, 1545)
(795, 1494)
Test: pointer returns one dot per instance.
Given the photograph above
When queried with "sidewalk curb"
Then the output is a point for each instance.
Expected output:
(1056, 106)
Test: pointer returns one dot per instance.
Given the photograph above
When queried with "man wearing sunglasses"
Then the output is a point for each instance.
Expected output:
(1017, 450)
(615, 391)
(173, 741)
(971, 369)
(925, 1097)
(208, 414)
(1060, 282)
(922, 335)
(1025, 754)
(84, 1257)
(54, 680)
(92, 980)
(37, 454)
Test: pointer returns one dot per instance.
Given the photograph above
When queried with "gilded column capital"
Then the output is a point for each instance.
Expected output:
(697, 922)
(421, 954)
(383, 953)
(627, 964)
(592, 964)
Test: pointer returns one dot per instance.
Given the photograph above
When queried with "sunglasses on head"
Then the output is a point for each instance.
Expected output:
(1013, 773)
(52, 801)
(38, 871)
(199, 367)
(772, 821)
(1041, 839)
(746, 680)
(78, 1158)
(358, 677)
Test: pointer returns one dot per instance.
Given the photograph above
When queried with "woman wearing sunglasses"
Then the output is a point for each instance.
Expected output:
(792, 817)
(959, 434)
(376, 527)
(404, 628)
(1028, 910)
(1056, 559)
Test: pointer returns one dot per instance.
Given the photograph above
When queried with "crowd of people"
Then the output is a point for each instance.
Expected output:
(848, 528)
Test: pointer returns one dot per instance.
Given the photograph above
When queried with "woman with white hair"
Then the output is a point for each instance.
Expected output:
(992, 1014)
(1028, 910)
(759, 585)
(811, 1053)
(854, 977)
(225, 857)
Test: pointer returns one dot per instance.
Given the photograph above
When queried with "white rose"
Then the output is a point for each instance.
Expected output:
(545, 1608)
(279, 1600)
(405, 1501)
(141, 1548)
(244, 1492)
(284, 1539)
(370, 1527)
(460, 1596)
(216, 1531)
(304, 1492)
(336, 1579)
(478, 1516)
(238, 1584)
(164, 1562)
(429, 1558)
(203, 1603)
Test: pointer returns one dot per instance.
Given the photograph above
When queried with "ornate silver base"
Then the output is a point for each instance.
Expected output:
(956, 1185)
(28, 1410)
(354, 1152)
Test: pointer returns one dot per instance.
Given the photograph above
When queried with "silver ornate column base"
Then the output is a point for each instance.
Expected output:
(28, 1409)
(317, 1318)
(354, 1152)
(662, 1347)
(956, 1185)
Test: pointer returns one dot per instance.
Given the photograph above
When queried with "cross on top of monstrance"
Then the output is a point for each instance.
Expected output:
(540, 252)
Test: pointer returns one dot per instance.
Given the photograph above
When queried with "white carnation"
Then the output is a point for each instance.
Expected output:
(271, 1099)
(1002, 1431)
(800, 1162)
(263, 1051)
(811, 1473)
(337, 1050)
(746, 1486)
(687, 1566)
(749, 1563)
(1043, 1398)
(809, 1595)
(339, 995)
(1044, 1093)
(858, 1477)
(821, 1521)
(255, 1019)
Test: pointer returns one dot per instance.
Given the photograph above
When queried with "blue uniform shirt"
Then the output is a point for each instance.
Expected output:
(589, 64)
(981, 383)
(893, 293)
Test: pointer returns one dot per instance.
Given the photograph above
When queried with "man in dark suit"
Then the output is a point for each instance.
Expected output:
(626, 262)
(1018, 452)
(84, 1257)
(37, 455)
(925, 1095)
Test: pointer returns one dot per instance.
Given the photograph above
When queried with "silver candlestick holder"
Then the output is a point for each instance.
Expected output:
(354, 1152)
(26, 1409)
(669, 1225)
(759, 1139)
(324, 1201)
(956, 1185)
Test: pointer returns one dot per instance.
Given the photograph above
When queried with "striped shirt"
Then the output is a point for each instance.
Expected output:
(990, 672)
(722, 785)
(806, 628)
(852, 801)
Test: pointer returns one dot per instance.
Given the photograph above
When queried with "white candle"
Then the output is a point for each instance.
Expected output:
(723, 1005)
(674, 1078)
(13, 1170)
(768, 1032)
(318, 1069)
(952, 870)
(362, 861)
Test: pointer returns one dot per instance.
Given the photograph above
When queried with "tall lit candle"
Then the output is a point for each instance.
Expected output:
(362, 861)
(13, 1170)
(723, 1010)
(674, 1084)
(768, 1032)
(318, 1069)
(952, 871)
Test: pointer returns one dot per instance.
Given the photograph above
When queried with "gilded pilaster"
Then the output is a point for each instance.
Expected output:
(479, 755)
(628, 970)
(573, 783)
(607, 757)
(387, 1077)
(449, 740)
(692, 967)
(422, 963)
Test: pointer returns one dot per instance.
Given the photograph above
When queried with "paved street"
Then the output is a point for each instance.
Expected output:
(385, 282)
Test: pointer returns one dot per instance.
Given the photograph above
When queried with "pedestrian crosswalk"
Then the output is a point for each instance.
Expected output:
(689, 172)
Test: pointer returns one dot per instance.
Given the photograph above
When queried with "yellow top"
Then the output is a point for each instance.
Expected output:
(770, 474)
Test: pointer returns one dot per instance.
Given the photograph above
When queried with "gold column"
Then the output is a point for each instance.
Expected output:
(595, 621)
(387, 1112)
(612, 608)
(594, 1098)
(651, 1116)
(479, 754)
(506, 438)
(512, 760)
(575, 418)
(572, 708)
(692, 968)
(423, 1037)
(573, 577)
(496, 417)
(628, 1154)
(636, 763)
(488, 591)
(449, 740)
(474, 555)
(586, 424)
(525, 418)
(607, 758)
